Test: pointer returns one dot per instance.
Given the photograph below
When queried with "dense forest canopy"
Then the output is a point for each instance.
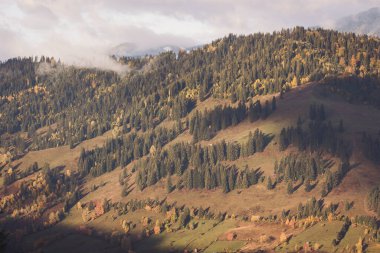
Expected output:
(84, 103)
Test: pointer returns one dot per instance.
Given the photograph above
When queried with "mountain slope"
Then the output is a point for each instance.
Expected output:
(366, 22)
(265, 141)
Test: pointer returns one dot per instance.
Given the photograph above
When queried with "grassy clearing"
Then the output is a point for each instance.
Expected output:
(206, 233)
(173, 241)
(212, 235)
(322, 233)
(352, 236)
(60, 156)
(224, 246)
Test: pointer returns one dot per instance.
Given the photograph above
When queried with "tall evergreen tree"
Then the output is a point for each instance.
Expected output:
(274, 104)
(290, 188)
(269, 183)
(169, 185)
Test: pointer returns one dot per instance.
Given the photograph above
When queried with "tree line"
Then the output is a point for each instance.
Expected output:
(318, 135)
(355, 89)
(374, 200)
(371, 147)
(318, 138)
(201, 167)
(204, 125)
(300, 166)
(122, 150)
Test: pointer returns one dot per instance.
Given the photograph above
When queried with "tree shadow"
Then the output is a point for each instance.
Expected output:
(59, 168)
(267, 139)
(295, 188)
(312, 186)
(328, 164)
(353, 166)
(15, 167)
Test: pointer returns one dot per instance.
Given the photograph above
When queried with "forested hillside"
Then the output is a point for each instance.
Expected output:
(275, 132)
(85, 103)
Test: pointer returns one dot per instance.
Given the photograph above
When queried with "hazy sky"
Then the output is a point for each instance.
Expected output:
(84, 30)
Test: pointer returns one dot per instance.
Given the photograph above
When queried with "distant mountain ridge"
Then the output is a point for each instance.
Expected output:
(131, 50)
(366, 22)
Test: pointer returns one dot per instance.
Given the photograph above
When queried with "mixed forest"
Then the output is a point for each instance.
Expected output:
(162, 132)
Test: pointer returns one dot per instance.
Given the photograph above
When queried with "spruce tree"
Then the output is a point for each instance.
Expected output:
(283, 142)
(184, 217)
(258, 108)
(274, 104)
(276, 167)
(231, 179)
(251, 145)
(324, 190)
(169, 186)
(189, 179)
(269, 183)
(251, 112)
(224, 179)
(290, 188)
(266, 111)
(124, 191)
(308, 186)
(208, 179)
(245, 182)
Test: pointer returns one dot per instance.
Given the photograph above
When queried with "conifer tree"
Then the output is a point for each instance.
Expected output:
(169, 186)
(124, 191)
(276, 169)
(290, 188)
(245, 182)
(269, 183)
(224, 179)
(307, 185)
(231, 179)
(274, 104)
(266, 110)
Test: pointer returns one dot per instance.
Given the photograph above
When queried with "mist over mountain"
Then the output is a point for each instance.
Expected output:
(132, 50)
(366, 22)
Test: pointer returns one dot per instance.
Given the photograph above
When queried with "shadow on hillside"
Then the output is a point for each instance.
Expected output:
(353, 89)
(84, 238)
